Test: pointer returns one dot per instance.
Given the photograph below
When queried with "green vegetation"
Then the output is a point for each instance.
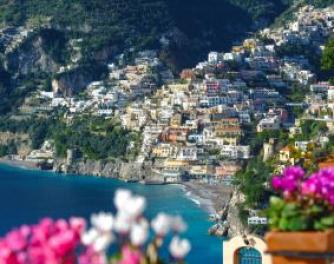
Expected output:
(140, 23)
(294, 5)
(251, 181)
(320, 3)
(327, 61)
(5, 102)
(8, 149)
(311, 129)
(296, 93)
(97, 139)
(94, 137)
(54, 44)
(298, 216)
(10, 97)
(256, 140)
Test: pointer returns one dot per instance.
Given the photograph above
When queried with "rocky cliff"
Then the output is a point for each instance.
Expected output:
(119, 169)
(76, 80)
(30, 57)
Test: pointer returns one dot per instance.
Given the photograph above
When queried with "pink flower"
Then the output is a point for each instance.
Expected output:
(63, 243)
(276, 182)
(130, 256)
(90, 256)
(16, 241)
(61, 225)
(294, 172)
(78, 224)
(289, 181)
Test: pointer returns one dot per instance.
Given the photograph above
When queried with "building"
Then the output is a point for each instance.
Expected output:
(213, 57)
(268, 149)
(256, 220)
(235, 152)
(285, 155)
(271, 123)
(331, 93)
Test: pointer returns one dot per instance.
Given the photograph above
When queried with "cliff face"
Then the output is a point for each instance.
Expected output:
(70, 83)
(76, 80)
(235, 225)
(119, 169)
(30, 57)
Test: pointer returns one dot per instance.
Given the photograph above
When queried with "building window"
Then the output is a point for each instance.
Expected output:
(247, 255)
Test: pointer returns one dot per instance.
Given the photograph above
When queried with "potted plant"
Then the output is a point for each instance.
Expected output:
(302, 218)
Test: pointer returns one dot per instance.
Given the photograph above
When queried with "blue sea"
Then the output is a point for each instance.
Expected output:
(27, 196)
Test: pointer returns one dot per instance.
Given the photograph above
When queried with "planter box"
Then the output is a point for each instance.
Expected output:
(301, 247)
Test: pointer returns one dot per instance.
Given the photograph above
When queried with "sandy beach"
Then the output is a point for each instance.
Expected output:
(211, 198)
(19, 163)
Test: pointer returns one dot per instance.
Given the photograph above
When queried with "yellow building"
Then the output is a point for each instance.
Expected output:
(178, 87)
(285, 155)
(174, 163)
(176, 120)
(162, 151)
(249, 44)
(201, 171)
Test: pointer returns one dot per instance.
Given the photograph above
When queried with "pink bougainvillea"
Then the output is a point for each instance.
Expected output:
(319, 185)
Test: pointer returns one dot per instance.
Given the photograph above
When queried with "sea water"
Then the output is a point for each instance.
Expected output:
(28, 195)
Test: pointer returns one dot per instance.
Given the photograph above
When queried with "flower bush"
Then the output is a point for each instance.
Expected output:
(72, 241)
(307, 201)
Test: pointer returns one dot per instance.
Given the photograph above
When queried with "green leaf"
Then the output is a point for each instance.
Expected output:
(315, 209)
(328, 221)
(276, 203)
(298, 223)
(283, 224)
(319, 226)
(290, 210)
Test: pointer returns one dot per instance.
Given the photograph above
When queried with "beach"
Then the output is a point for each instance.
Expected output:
(23, 164)
(211, 198)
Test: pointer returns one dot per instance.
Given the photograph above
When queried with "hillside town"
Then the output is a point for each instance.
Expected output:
(199, 126)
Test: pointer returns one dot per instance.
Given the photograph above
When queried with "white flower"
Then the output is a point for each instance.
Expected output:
(134, 206)
(179, 248)
(122, 223)
(103, 221)
(139, 234)
(89, 237)
(103, 242)
(121, 197)
(161, 224)
(143, 222)
(178, 225)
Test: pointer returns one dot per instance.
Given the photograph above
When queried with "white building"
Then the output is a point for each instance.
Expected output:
(235, 152)
(272, 123)
(213, 57)
(255, 220)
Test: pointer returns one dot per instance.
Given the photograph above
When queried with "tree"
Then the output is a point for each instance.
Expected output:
(327, 60)
(251, 181)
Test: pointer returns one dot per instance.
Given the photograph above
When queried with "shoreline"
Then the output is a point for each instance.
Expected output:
(22, 164)
(209, 198)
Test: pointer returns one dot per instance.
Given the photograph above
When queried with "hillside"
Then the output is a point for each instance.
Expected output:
(90, 33)
(141, 23)
(294, 5)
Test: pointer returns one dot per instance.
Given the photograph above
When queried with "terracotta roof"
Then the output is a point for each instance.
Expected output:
(286, 149)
